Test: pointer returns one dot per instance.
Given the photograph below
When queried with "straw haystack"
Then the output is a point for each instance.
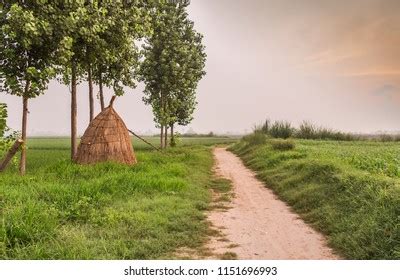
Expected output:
(106, 139)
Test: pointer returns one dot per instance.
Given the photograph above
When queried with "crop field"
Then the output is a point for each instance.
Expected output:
(376, 158)
(61, 210)
(350, 191)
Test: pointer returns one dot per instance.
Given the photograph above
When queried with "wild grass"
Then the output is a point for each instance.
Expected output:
(256, 138)
(282, 144)
(308, 130)
(350, 191)
(61, 210)
(281, 129)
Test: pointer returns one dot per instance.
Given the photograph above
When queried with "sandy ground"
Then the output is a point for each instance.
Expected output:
(257, 225)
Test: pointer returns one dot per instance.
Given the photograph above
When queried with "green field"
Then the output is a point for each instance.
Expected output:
(350, 191)
(61, 210)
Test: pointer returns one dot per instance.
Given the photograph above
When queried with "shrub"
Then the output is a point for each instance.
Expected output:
(281, 129)
(7, 137)
(283, 145)
(306, 130)
(176, 140)
(255, 138)
(386, 138)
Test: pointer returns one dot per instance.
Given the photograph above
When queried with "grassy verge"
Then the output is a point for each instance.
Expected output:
(348, 191)
(108, 211)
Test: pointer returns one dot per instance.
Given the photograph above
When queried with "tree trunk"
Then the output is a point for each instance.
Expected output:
(162, 137)
(74, 112)
(172, 143)
(91, 99)
(166, 137)
(101, 91)
(11, 153)
(22, 163)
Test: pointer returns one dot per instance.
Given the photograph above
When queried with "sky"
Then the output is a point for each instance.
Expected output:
(334, 63)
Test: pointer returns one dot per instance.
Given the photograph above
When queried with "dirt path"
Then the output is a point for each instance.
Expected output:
(257, 224)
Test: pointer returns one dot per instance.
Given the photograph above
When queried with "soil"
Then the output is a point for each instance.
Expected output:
(256, 224)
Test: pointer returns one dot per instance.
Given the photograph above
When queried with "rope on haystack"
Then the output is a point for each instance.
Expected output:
(133, 133)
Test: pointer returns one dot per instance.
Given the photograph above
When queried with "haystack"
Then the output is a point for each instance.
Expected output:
(106, 139)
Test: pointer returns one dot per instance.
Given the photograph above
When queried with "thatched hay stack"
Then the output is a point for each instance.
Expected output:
(106, 139)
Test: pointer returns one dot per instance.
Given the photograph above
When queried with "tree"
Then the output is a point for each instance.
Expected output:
(117, 59)
(27, 51)
(174, 60)
(102, 35)
(80, 28)
(191, 61)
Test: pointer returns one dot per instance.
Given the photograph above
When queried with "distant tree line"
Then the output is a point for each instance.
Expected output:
(108, 43)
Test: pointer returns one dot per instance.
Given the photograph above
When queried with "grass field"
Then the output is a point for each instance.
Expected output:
(348, 190)
(64, 211)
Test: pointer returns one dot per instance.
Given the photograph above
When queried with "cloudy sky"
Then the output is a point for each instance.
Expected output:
(336, 63)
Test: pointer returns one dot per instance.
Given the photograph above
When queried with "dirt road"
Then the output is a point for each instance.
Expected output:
(258, 225)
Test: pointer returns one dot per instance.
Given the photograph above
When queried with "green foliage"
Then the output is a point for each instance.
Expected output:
(306, 130)
(7, 137)
(347, 190)
(27, 48)
(281, 129)
(101, 36)
(176, 140)
(282, 144)
(388, 138)
(255, 138)
(174, 62)
(61, 210)
(115, 55)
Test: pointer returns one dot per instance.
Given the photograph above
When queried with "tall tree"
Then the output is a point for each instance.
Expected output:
(117, 62)
(174, 61)
(27, 48)
(102, 36)
(80, 26)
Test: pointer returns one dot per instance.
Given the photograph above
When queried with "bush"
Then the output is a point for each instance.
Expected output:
(256, 138)
(176, 140)
(308, 130)
(281, 129)
(386, 138)
(7, 136)
(283, 145)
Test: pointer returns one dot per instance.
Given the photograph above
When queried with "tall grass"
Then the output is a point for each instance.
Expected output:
(281, 129)
(256, 138)
(341, 189)
(61, 210)
(306, 130)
